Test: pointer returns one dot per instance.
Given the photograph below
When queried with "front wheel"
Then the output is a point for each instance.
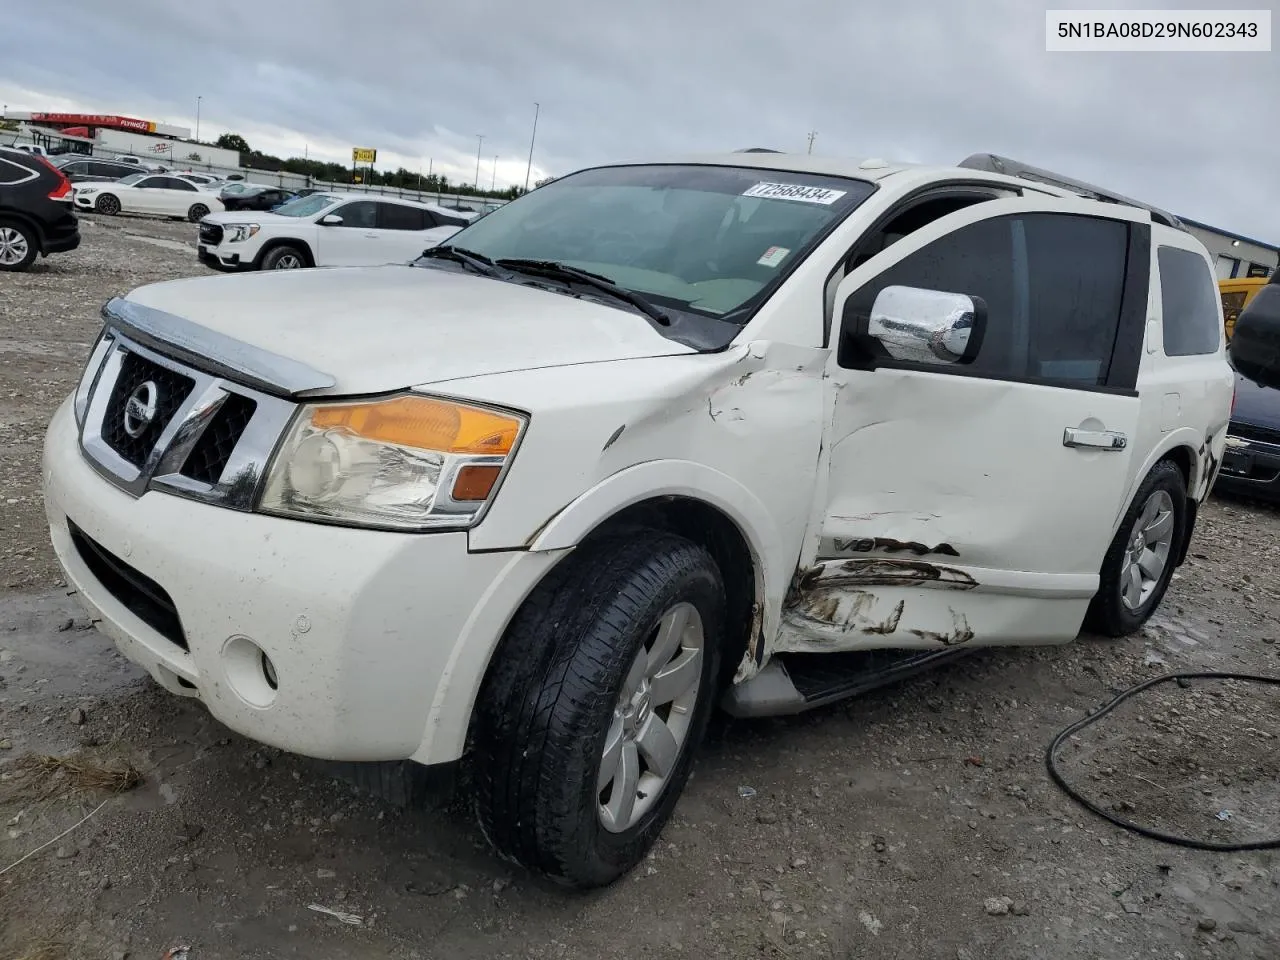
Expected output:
(284, 257)
(197, 212)
(107, 204)
(1140, 561)
(588, 722)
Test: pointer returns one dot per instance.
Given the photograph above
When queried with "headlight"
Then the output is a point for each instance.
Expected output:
(236, 232)
(86, 190)
(406, 463)
(85, 386)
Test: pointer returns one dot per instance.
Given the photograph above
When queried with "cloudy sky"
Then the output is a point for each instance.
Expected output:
(919, 81)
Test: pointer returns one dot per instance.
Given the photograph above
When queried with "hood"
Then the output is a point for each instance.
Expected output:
(1259, 406)
(260, 217)
(386, 328)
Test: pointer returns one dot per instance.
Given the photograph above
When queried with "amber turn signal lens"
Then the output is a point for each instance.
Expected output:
(475, 482)
(424, 423)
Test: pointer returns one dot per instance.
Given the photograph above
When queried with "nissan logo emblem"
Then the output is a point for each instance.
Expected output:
(140, 409)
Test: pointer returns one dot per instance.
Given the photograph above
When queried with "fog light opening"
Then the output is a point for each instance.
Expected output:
(269, 672)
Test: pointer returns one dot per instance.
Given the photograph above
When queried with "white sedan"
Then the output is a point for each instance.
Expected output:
(154, 193)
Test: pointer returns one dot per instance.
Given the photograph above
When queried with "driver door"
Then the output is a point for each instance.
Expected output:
(356, 241)
(971, 492)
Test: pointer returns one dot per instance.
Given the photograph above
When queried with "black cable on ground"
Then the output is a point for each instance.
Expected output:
(1052, 763)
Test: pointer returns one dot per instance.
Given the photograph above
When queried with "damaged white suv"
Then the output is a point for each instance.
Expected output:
(751, 431)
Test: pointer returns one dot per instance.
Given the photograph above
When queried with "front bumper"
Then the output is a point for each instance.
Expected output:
(219, 260)
(1250, 468)
(378, 640)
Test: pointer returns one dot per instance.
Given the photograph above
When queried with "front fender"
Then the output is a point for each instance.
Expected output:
(654, 479)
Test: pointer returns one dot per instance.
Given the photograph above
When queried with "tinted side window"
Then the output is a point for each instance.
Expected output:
(976, 260)
(395, 216)
(14, 173)
(362, 213)
(1076, 268)
(173, 183)
(1189, 299)
(446, 221)
(1052, 285)
(150, 183)
(77, 168)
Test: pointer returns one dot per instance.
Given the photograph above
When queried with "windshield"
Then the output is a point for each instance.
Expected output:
(131, 179)
(305, 206)
(713, 241)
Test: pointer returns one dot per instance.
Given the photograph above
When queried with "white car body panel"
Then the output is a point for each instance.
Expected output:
(882, 507)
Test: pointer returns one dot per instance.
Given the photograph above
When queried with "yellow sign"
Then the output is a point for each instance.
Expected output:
(364, 155)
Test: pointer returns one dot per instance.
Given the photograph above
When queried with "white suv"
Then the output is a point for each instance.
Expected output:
(752, 431)
(325, 230)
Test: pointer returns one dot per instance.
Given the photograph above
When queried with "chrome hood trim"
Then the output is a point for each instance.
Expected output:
(214, 352)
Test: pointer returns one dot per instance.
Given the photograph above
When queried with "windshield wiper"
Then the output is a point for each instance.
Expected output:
(476, 261)
(560, 271)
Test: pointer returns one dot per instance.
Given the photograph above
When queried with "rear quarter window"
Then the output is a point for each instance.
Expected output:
(1190, 303)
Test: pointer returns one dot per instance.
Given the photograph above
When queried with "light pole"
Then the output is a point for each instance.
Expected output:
(527, 170)
(479, 144)
(494, 182)
(198, 99)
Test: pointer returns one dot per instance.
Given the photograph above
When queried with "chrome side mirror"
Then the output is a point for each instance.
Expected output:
(332, 220)
(927, 326)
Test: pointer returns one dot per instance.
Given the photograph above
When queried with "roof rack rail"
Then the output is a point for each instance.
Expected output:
(993, 163)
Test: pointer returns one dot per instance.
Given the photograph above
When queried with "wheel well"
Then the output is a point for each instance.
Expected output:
(285, 242)
(15, 217)
(713, 530)
(1183, 458)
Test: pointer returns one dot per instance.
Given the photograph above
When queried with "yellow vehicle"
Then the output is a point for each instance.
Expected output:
(1236, 295)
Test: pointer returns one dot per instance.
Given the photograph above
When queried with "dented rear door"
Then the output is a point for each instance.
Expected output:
(959, 507)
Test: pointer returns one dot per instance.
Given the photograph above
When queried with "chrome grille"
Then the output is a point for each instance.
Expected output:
(170, 389)
(200, 428)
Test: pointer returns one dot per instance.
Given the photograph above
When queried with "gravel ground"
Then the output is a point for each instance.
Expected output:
(917, 822)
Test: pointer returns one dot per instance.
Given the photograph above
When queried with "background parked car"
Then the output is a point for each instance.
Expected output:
(206, 181)
(80, 169)
(325, 230)
(36, 218)
(156, 193)
(255, 198)
(1251, 462)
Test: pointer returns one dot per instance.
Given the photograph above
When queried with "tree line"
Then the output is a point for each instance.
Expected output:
(340, 173)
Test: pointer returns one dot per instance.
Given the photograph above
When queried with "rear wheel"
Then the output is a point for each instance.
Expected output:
(1139, 564)
(197, 212)
(107, 204)
(284, 257)
(588, 722)
(18, 246)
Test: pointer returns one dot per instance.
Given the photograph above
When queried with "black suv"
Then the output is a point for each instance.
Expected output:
(35, 210)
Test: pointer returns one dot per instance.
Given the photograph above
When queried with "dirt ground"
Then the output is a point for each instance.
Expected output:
(916, 822)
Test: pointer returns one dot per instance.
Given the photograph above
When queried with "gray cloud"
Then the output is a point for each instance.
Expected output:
(923, 82)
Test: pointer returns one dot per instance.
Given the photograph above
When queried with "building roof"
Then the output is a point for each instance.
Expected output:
(1234, 236)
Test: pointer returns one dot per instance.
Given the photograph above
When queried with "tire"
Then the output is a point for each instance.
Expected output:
(284, 257)
(1110, 613)
(18, 246)
(197, 212)
(554, 696)
(107, 204)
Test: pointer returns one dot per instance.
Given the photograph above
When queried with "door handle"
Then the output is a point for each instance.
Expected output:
(1096, 439)
(371, 236)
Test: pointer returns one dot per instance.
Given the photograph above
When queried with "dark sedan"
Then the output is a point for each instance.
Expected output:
(255, 198)
(1251, 463)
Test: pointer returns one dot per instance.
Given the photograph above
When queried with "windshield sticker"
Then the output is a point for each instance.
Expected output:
(773, 256)
(794, 191)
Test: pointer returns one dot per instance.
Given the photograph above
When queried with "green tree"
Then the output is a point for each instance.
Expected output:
(232, 141)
